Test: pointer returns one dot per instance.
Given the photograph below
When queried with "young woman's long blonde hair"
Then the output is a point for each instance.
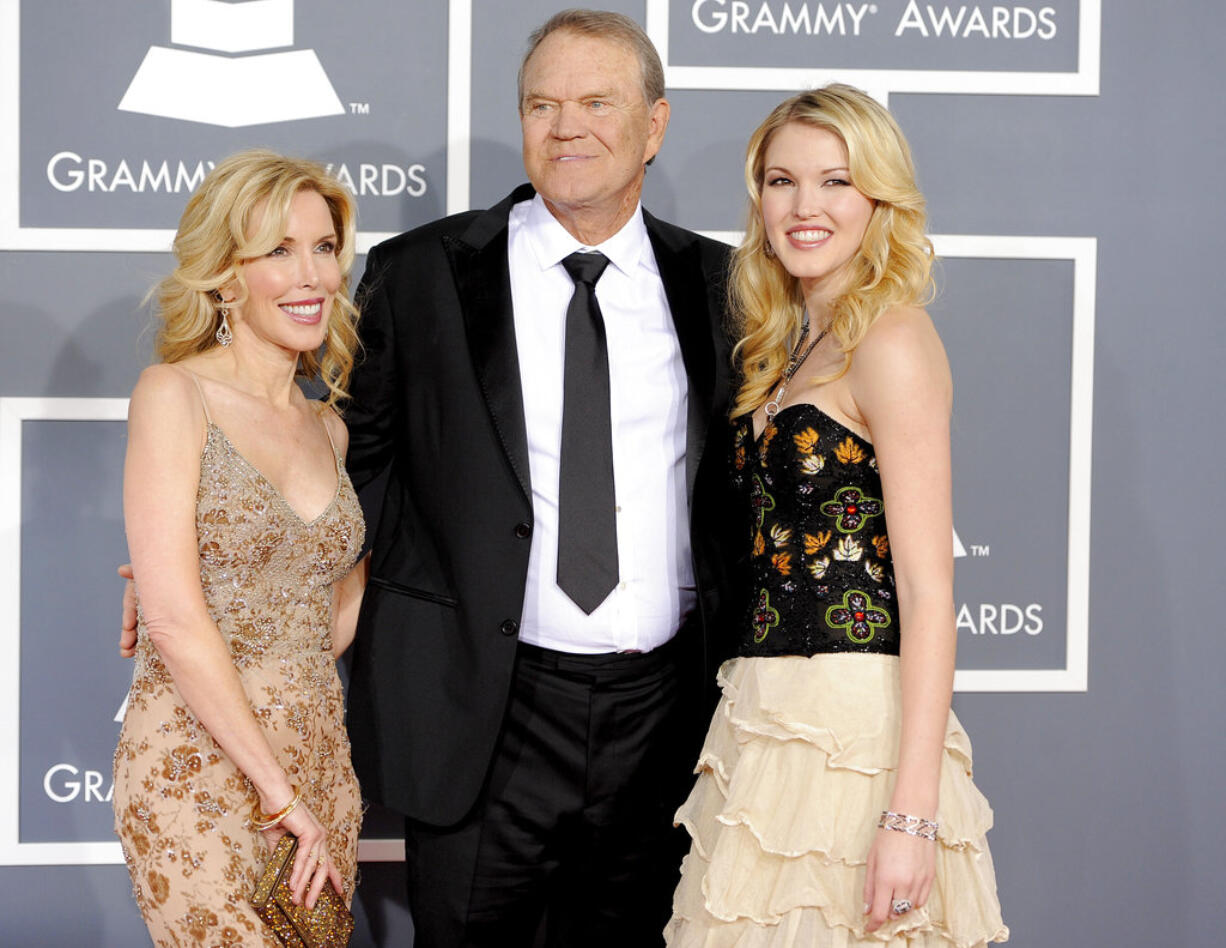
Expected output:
(215, 238)
(893, 267)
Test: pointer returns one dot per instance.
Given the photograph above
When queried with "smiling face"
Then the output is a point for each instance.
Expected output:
(814, 218)
(587, 130)
(291, 289)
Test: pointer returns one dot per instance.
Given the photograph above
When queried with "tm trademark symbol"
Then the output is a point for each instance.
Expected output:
(359, 108)
(980, 549)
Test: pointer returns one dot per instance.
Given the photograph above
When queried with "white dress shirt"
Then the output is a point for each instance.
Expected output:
(647, 380)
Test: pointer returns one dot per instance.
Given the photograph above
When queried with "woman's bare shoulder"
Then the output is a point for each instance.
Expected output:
(163, 380)
(335, 424)
(165, 396)
(901, 342)
(901, 360)
(898, 331)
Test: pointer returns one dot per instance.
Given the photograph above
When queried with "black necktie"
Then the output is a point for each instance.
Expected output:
(587, 519)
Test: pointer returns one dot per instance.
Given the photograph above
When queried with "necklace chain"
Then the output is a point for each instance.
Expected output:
(795, 360)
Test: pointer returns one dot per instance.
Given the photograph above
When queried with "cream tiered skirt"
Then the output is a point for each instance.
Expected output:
(797, 766)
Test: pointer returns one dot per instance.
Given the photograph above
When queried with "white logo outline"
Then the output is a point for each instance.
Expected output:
(261, 88)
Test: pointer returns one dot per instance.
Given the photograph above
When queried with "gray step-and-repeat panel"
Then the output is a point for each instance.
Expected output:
(1066, 149)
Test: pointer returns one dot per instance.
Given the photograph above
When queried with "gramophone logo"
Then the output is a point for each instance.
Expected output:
(233, 85)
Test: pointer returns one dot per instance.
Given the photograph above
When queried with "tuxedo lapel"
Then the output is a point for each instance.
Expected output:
(680, 263)
(479, 266)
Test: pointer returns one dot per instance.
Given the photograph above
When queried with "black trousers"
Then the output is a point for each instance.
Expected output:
(571, 843)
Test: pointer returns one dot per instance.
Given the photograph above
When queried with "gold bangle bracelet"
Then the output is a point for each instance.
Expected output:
(262, 821)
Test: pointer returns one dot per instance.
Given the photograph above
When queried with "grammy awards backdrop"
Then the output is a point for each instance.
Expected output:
(1071, 152)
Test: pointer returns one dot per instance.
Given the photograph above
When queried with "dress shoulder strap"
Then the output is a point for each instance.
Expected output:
(321, 408)
(203, 401)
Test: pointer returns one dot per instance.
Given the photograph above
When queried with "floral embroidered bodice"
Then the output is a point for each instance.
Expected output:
(819, 577)
(267, 574)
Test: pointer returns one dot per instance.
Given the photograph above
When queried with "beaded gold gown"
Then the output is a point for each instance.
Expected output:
(182, 808)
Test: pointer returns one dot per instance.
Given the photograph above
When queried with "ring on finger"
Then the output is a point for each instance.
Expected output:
(901, 906)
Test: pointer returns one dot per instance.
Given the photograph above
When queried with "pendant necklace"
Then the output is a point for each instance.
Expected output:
(795, 361)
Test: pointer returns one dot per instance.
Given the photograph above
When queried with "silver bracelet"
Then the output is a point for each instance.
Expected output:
(911, 825)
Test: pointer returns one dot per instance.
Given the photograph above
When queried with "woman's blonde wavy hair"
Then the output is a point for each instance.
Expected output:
(893, 267)
(216, 237)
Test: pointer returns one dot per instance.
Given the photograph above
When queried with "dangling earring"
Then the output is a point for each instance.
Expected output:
(223, 334)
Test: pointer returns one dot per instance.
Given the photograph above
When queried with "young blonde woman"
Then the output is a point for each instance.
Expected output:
(242, 528)
(834, 803)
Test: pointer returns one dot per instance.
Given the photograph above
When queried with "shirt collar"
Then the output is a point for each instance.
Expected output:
(551, 242)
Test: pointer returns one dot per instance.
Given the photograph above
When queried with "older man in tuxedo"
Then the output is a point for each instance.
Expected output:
(538, 385)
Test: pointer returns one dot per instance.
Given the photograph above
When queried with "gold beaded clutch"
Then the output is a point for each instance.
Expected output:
(328, 925)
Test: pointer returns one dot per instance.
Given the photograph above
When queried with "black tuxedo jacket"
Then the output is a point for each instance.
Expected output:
(439, 452)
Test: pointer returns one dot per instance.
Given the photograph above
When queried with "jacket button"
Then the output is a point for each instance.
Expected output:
(523, 530)
(509, 627)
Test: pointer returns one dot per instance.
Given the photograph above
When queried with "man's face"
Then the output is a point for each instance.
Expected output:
(587, 129)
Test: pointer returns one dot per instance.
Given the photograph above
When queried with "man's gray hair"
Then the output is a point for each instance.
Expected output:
(605, 25)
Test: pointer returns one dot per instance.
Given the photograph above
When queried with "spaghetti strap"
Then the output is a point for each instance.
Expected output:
(203, 401)
(323, 407)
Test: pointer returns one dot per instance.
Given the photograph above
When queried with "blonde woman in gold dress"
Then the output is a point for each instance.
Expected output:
(242, 528)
